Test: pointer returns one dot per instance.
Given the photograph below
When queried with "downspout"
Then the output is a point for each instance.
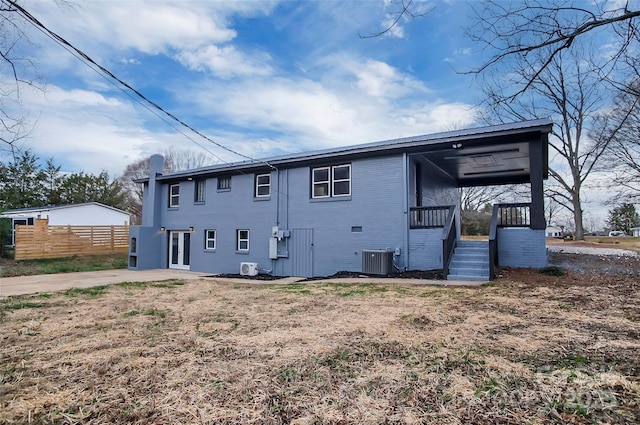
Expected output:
(274, 262)
(405, 194)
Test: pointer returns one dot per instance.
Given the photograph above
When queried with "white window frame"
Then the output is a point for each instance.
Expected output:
(240, 240)
(315, 183)
(174, 196)
(330, 182)
(263, 185)
(210, 236)
(200, 189)
(334, 180)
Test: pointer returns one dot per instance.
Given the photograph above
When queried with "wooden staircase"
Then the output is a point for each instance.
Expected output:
(470, 261)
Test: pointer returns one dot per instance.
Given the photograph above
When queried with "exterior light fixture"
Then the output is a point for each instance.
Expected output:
(163, 229)
(191, 228)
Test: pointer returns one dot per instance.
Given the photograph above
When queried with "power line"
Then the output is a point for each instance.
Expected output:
(87, 60)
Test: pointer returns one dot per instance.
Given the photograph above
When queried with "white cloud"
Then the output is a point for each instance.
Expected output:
(225, 61)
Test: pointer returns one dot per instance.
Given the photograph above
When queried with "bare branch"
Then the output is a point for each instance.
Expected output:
(405, 12)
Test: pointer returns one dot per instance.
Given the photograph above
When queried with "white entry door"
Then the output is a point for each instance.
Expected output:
(179, 250)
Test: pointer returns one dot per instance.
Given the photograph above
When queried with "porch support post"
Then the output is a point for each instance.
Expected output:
(536, 167)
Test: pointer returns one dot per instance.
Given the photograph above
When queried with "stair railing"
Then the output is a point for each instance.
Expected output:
(449, 239)
(493, 242)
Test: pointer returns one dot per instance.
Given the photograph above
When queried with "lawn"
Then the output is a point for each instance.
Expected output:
(528, 348)
(77, 263)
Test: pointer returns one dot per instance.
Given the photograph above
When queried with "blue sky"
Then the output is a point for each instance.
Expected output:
(262, 78)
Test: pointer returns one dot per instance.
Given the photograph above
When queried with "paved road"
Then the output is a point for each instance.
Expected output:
(22, 285)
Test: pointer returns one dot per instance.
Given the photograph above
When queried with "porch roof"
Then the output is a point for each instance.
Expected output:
(473, 157)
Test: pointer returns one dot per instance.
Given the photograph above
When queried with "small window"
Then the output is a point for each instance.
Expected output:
(331, 181)
(200, 191)
(174, 195)
(133, 246)
(210, 239)
(242, 240)
(263, 185)
(224, 183)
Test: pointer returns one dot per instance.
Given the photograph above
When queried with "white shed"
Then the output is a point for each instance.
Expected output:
(635, 231)
(87, 214)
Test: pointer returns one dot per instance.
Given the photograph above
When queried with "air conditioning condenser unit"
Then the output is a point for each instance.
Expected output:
(248, 269)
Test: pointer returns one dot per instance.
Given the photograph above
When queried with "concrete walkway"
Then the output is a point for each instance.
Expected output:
(21, 285)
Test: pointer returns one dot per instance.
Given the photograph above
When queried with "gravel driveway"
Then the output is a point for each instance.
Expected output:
(583, 259)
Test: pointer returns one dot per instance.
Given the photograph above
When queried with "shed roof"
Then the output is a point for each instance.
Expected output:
(59, 207)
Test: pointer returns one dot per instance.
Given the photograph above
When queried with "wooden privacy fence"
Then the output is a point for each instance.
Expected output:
(44, 241)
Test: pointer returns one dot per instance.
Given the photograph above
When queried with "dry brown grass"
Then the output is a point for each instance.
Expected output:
(628, 242)
(560, 350)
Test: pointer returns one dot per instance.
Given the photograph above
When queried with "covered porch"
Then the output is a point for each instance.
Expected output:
(511, 154)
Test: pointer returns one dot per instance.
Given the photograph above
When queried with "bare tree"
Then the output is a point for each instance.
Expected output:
(174, 160)
(16, 73)
(571, 92)
(511, 30)
(622, 125)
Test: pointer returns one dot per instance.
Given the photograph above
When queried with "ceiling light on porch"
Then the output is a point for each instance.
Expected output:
(456, 145)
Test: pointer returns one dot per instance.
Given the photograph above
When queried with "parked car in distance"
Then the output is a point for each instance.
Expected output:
(617, 233)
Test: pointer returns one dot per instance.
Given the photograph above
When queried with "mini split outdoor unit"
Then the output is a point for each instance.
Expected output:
(248, 269)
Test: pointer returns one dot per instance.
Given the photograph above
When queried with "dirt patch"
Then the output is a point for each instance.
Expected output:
(527, 348)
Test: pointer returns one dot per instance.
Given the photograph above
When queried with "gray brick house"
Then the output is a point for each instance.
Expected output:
(372, 208)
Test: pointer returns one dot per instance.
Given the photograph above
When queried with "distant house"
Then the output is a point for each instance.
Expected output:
(554, 232)
(86, 214)
(635, 232)
(372, 208)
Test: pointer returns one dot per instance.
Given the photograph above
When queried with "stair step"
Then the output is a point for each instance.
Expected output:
(459, 250)
(470, 261)
(479, 265)
(470, 278)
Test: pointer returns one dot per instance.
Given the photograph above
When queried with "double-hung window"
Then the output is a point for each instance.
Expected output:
(334, 181)
(174, 195)
(263, 185)
(242, 240)
(200, 191)
(210, 239)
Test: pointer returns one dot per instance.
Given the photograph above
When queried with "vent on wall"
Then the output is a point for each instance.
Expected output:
(377, 262)
(248, 269)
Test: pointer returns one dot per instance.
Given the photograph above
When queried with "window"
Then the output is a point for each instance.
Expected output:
(224, 183)
(263, 185)
(210, 239)
(242, 240)
(174, 195)
(321, 182)
(200, 191)
(341, 180)
(331, 181)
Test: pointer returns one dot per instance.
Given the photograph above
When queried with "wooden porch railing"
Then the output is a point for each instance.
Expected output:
(514, 215)
(428, 217)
